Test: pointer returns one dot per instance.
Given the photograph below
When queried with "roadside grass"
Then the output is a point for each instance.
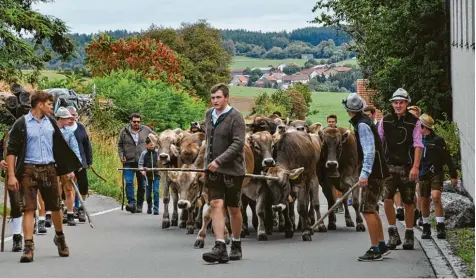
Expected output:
(105, 163)
(462, 242)
(2, 209)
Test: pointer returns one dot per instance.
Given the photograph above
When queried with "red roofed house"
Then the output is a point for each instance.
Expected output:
(239, 81)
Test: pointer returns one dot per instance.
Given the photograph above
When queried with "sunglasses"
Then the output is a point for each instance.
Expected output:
(136, 121)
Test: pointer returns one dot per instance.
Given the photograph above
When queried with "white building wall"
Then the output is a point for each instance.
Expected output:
(463, 87)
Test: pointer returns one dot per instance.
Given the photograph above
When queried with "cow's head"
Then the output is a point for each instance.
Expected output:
(263, 124)
(261, 143)
(280, 190)
(332, 145)
(167, 144)
(189, 185)
(300, 126)
(196, 127)
(190, 147)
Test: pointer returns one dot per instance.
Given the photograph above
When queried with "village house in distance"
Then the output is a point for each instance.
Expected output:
(274, 77)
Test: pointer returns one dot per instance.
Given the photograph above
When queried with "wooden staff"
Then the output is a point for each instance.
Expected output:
(5, 197)
(256, 176)
(81, 201)
(338, 201)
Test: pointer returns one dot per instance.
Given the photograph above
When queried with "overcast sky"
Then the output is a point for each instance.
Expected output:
(88, 16)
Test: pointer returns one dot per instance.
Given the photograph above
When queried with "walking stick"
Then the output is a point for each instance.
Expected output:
(5, 197)
(338, 201)
(255, 176)
(81, 201)
(123, 191)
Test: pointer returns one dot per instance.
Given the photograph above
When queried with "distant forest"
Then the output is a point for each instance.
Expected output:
(322, 42)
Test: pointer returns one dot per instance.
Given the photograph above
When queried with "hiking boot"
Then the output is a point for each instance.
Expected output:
(71, 221)
(384, 250)
(48, 220)
(139, 208)
(149, 208)
(131, 208)
(42, 227)
(426, 231)
(409, 240)
(394, 238)
(28, 252)
(17, 243)
(60, 242)
(218, 253)
(81, 215)
(440, 231)
(235, 252)
(400, 214)
(370, 256)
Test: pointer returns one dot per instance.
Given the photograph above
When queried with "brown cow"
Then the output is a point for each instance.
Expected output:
(340, 169)
(168, 145)
(297, 155)
(261, 146)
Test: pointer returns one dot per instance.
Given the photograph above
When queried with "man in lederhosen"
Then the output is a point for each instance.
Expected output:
(400, 133)
(373, 172)
(435, 155)
(225, 132)
(15, 206)
(36, 154)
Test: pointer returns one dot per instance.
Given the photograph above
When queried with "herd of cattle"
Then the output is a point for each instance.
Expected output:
(300, 156)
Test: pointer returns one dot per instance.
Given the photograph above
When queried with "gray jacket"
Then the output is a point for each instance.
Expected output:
(225, 142)
(126, 147)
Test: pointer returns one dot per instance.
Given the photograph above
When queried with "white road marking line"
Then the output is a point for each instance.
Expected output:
(95, 214)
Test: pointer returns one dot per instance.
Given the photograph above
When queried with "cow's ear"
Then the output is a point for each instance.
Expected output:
(345, 136)
(321, 135)
(175, 151)
(294, 174)
(173, 175)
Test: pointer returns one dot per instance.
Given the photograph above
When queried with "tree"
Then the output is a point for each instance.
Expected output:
(310, 63)
(400, 44)
(291, 69)
(199, 46)
(17, 19)
(229, 46)
(154, 59)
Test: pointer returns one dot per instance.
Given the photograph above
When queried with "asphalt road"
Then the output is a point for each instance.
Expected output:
(134, 245)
